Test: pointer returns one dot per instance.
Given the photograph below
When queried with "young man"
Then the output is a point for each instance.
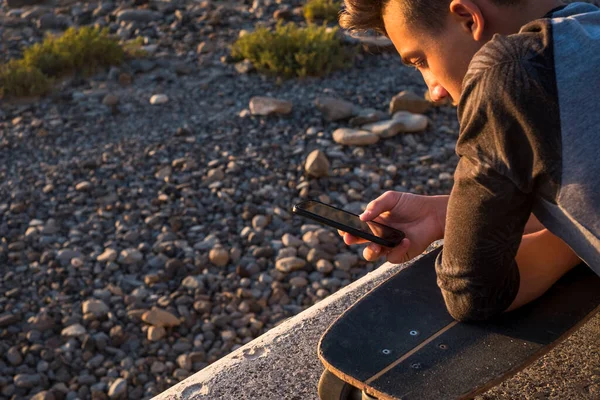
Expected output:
(525, 75)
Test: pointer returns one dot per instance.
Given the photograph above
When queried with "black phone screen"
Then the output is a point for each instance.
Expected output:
(351, 220)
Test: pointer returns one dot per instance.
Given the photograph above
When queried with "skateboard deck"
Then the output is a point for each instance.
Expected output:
(399, 342)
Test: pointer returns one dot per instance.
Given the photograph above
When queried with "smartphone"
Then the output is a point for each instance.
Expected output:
(349, 222)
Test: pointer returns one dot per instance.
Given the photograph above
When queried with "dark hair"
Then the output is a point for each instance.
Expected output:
(362, 15)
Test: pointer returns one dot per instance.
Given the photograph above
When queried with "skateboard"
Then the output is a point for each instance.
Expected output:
(399, 342)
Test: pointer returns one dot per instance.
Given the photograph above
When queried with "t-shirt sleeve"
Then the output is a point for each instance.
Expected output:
(494, 187)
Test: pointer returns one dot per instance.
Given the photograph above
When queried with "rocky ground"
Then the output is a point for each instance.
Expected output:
(145, 225)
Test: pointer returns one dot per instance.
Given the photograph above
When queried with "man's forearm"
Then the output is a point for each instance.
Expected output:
(533, 224)
(542, 259)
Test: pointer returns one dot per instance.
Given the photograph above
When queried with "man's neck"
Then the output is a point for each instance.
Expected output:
(524, 12)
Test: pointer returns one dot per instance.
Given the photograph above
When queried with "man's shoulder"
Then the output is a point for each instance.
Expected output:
(530, 49)
(508, 109)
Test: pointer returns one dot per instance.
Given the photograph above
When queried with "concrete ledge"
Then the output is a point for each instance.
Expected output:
(282, 364)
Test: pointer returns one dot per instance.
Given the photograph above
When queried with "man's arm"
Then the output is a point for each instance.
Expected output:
(509, 151)
(533, 224)
(476, 270)
(542, 259)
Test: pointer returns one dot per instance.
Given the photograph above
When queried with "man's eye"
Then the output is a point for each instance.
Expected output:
(420, 63)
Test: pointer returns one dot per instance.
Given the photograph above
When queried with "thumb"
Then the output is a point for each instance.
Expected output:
(401, 253)
(383, 203)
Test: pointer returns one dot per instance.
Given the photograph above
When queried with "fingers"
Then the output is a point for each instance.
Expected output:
(383, 203)
(351, 239)
(400, 253)
(373, 251)
(397, 255)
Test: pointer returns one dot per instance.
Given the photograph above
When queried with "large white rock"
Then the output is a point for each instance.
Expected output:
(408, 101)
(412, 122)
(267, 105)
(335, 109)
(385, 129)
(354, 137)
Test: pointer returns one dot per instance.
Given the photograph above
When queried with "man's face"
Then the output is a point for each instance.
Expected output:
(442, 57)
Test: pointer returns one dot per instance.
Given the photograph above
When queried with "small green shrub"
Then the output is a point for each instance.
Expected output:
(18, 79)
(322, 10)
(83, 50)
(78, 50)
(292, 51)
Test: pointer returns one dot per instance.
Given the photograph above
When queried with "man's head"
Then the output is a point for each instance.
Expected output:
(440, 37)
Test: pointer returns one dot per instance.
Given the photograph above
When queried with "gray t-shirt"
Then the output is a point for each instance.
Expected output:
(529, 140)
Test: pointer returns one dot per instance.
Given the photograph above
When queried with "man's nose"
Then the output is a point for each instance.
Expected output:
(438, 92)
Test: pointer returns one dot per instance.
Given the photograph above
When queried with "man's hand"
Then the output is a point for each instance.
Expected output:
(421, 218)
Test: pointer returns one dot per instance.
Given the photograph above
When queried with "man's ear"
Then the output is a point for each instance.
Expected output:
(469, 16)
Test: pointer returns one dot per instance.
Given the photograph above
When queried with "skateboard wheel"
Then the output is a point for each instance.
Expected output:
(333, 388)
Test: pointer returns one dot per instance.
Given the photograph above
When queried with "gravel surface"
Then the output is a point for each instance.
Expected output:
(145, 224)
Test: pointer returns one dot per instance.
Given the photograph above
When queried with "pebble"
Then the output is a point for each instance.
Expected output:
(156, 333)
(13, 356)
(110, 100)
(411, 122)
(96, 307)
(159, 317)
(44, 395)
(158, 99)
(143, 16)
(335, 109)
(298, 281)
(130, 256)
(83, 186)
(259, 221)
(52, 21)
(267, 105)
(75, 330)
(219, 256)
(345, 261)
(367, 116)
(409, 101)
(244, 67)
(385, 129)
(27, 381)
(354, 137)
(290, 240)
(290, 264)
(118, 389)
(324, 266)
(317, 164)
(107, 256)
(191, 282)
